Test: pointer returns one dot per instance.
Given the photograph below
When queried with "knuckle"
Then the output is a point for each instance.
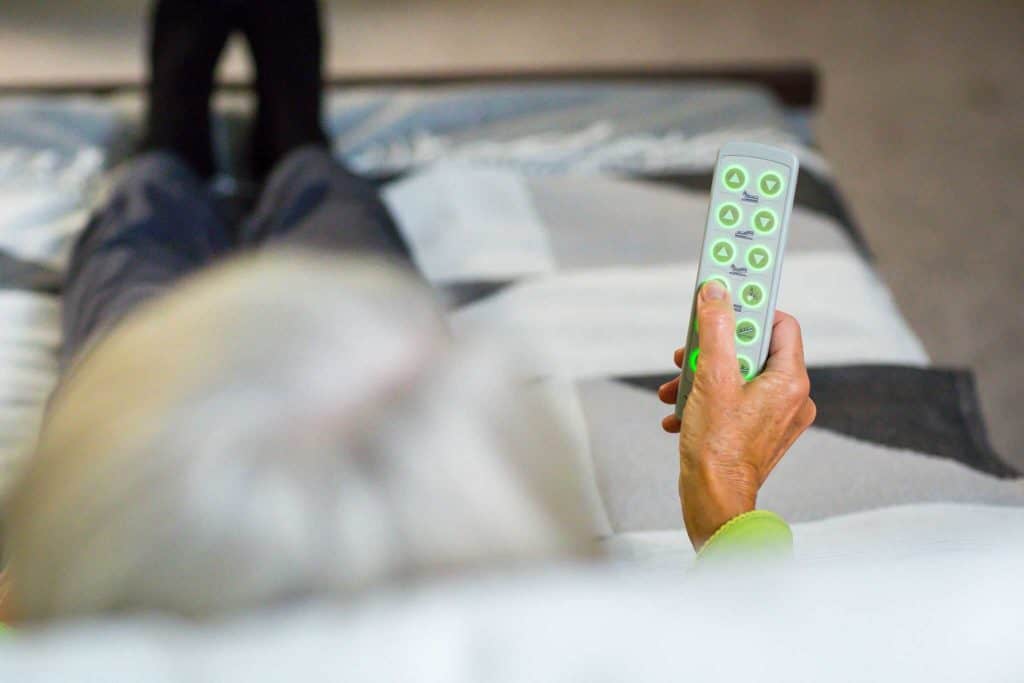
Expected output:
(798, 388)
(710, 387)
(794, 324)
(714, 317)
(715, 312)
(812, 412)
(788, 319)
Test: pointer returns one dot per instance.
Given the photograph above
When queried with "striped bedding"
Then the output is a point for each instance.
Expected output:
(567, 217)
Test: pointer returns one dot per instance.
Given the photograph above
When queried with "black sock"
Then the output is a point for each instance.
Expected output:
(285, 40)
(186, 40)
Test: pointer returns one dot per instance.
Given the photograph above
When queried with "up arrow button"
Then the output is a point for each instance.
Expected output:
(729, 215)
(734, 178)
(722, 252)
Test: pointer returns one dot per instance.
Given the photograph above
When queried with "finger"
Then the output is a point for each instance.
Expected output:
(801, 421)
(786, 352)
(668, 391)
(716, 325)
(804, 418)
(680, 354)
(671, 424)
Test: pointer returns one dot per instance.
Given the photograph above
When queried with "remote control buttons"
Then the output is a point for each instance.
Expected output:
(745, 364)
(765, 221)
(719, 278)
(734, 178)
(746, 367)
(747, 331)
(770, 184)
(723, 252)
(729, 215)
(758, 257)
(752, 295)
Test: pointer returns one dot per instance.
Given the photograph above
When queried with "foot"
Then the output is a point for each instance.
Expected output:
(285, 41)
(186, 41)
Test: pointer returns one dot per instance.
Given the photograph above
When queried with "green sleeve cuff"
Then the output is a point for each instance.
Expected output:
(758, 534)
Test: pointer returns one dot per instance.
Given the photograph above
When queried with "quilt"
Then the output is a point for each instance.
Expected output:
(566, 218)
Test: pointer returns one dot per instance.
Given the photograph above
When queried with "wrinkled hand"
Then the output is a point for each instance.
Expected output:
(733, 433)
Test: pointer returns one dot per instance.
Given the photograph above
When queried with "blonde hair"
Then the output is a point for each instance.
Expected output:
(284, 425)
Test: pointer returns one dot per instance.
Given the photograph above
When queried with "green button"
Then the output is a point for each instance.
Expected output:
(746, 367)
(720, 278)
(752, 295)
(770, 184)
(723, 251)
(765, 221)
(734, 178)
(758, 257)
(693, 359)
(747, 331)
(729, 215)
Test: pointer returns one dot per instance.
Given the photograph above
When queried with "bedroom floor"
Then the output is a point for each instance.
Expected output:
(921, 117)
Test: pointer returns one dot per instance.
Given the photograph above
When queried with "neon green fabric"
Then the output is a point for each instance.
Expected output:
(759, 533)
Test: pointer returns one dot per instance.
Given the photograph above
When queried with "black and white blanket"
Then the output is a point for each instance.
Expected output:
(567, 217)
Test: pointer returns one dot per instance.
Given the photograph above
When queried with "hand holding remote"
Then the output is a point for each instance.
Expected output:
(734, 432)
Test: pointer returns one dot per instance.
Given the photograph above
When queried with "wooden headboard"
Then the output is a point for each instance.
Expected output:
(795, 84)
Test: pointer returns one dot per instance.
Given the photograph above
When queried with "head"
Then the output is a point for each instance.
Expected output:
(284, 426)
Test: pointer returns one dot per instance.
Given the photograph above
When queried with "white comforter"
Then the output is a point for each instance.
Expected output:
(923, 593)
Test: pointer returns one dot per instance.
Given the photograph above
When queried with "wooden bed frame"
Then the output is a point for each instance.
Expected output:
(795, 84)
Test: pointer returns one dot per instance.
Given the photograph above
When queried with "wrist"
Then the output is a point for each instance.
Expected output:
(711, 498)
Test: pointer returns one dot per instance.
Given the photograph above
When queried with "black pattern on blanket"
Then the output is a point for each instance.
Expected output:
(883, 404)
(567, 217)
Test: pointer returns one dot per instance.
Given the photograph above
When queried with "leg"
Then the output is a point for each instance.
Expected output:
(285, 40)
(159, 225)
(185, 42)
(309, 199)
(312, 201)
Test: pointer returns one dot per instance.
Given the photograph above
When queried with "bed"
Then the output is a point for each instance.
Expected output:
(565, 213)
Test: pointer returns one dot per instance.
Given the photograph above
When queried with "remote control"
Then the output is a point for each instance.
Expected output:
(744, 238)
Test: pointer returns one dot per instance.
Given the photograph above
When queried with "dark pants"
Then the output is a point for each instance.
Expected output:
(161, 224)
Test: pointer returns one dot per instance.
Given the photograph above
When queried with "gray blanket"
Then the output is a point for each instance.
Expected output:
(566, 218)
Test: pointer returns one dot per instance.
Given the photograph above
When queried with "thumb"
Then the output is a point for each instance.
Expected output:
(715, 330)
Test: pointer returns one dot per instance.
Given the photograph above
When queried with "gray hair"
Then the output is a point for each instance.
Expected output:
(284, 425)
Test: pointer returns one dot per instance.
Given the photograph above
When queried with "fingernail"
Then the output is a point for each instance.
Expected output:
(712, 290)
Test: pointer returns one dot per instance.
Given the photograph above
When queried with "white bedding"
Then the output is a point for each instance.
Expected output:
(928, 594)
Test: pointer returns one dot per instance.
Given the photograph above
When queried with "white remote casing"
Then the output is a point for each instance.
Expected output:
(736, 242)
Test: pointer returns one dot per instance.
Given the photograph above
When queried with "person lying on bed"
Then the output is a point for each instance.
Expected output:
(296, 420)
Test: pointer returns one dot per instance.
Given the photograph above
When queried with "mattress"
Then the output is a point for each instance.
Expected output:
(565, 217)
